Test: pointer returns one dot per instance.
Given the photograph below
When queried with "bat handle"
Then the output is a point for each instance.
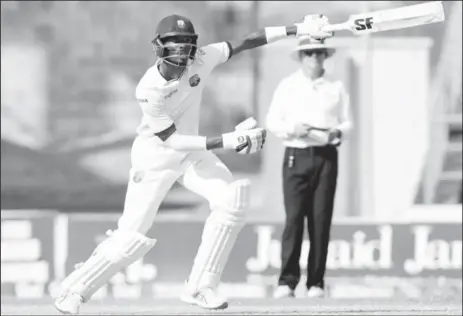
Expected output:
(336, 27)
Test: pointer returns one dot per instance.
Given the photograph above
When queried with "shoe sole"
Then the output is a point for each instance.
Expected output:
(284, 296)
(192, 301)
(287, 295)
(63, 312)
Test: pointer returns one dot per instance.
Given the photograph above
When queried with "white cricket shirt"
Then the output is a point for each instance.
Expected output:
(164, 103)
(178, 101)
(321, 103)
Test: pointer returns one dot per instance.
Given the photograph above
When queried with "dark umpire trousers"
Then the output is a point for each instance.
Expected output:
(309, 186)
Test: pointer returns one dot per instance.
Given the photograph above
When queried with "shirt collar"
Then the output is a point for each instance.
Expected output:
(162, 79)
(315, 82)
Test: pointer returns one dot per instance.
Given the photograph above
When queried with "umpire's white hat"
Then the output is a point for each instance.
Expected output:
(306, 43)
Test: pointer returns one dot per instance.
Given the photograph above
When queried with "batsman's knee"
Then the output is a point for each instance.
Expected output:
(124, 245)
(229, 208)
(235, 201)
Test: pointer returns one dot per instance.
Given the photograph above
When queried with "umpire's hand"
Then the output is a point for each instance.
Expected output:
(334, 137)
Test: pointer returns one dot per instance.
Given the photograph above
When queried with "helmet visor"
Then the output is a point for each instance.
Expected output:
(177, 50)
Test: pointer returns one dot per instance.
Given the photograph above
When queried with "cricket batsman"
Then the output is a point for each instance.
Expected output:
(168, 149)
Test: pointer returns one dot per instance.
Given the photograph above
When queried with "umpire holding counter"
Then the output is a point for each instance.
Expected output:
(310, 114)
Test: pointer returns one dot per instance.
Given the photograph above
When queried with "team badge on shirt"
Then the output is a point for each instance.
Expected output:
(194, 80)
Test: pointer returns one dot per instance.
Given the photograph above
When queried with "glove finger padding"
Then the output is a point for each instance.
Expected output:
(255, 142)
(245, 141)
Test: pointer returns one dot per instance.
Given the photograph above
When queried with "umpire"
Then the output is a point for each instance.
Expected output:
(310, 113)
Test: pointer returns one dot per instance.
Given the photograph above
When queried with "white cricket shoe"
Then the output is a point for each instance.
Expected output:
(206, 298)
(315, 292)
(283, 291)
(68, 304)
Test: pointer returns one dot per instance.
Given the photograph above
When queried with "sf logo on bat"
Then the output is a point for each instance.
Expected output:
(363, 24)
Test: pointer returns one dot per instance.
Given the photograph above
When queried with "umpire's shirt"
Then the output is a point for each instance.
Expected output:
(309, 169)
(321, 103)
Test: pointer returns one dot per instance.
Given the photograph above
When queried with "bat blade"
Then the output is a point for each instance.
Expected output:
(392, 19)
(248, 123)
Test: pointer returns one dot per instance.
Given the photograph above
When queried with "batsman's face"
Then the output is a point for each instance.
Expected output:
(313, 60)
(179, 48)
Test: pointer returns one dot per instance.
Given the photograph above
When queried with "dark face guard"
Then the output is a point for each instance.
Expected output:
(179, 51)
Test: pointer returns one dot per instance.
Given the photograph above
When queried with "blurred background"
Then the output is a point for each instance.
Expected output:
(68, 116)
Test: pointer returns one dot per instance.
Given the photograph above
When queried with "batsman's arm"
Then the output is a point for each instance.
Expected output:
(244, 142)
(163, 127)
(311, 26)
(219, 53)
(181, 142)
(261, 37)
(172, 139)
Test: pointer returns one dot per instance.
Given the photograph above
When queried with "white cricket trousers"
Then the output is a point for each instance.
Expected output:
(155, 169)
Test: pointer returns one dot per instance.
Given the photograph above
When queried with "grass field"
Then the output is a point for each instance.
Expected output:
(246, 307)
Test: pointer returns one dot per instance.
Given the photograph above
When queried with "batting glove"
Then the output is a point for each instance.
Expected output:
(246, 139)
(313, 26)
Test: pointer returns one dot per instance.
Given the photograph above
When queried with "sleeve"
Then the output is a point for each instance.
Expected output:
(216, 54)
(153, 110)
(276, 120)
(345, 121)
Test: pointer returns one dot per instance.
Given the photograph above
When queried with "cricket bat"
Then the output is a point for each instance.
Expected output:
(391, 19)
(248, 123)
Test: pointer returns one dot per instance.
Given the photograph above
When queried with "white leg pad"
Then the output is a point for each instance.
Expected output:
(121, 249)
(219, 235)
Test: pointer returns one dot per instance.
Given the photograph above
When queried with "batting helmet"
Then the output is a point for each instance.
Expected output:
(175, 41)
